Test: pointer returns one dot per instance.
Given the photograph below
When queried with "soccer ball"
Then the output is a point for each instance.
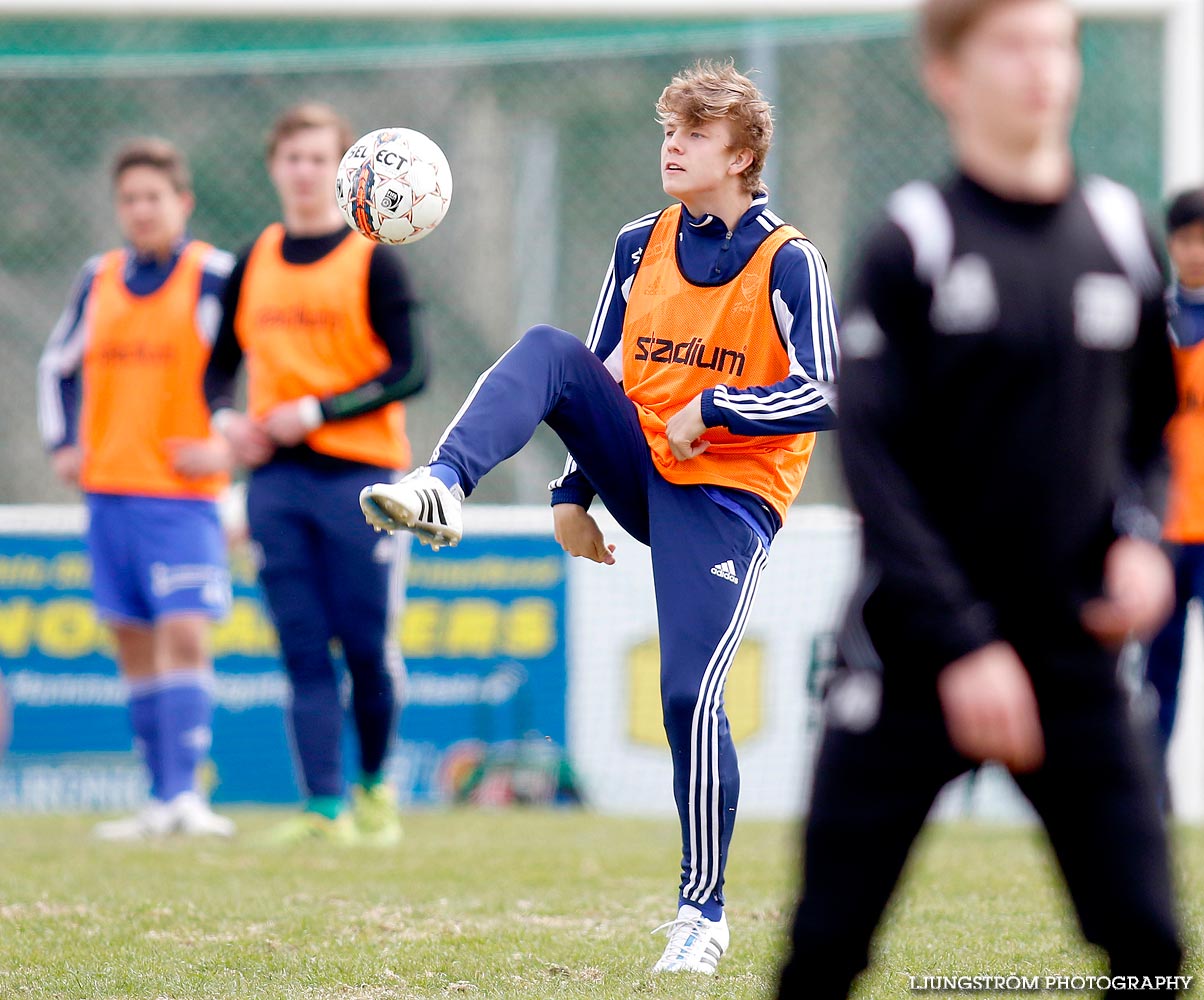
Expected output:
(393, 185)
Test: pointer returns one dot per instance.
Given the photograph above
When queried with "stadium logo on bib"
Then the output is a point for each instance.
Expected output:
(662, 351)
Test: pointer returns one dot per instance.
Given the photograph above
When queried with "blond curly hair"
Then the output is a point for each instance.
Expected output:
(709, 92)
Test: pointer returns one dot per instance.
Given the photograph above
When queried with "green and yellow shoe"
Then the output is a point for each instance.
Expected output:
(311, 828)
(377, 820)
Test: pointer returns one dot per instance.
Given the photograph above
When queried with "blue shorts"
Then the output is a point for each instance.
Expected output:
(154, 556)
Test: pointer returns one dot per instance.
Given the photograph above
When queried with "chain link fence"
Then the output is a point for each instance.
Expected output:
(550, 131)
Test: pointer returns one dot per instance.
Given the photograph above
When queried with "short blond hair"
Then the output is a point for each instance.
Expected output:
(711, 92)
(309, 114)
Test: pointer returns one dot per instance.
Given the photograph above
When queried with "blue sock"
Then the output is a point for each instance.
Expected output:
(144, 721)
(448, 476)
(712, 909)
(185, 717)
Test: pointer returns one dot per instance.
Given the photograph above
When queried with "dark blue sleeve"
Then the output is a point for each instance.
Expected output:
(806, 321)
(61, 363)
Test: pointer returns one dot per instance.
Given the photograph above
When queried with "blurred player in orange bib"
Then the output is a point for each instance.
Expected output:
(321, 318)
(692, 414)
(1184, 528)
(122, 414)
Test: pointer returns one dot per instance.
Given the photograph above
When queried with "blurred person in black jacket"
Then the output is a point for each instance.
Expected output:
(1005, 386)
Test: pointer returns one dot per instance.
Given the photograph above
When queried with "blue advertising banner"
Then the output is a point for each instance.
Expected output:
(485, 647)
(483, 633)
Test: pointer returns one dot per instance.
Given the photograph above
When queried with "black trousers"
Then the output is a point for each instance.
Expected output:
(873, 789)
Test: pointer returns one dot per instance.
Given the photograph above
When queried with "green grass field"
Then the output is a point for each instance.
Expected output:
(497, 905)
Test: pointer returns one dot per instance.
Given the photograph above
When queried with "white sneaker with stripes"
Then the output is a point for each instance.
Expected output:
(419, 503)
(695, 943)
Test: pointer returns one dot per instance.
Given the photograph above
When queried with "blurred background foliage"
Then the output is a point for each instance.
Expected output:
(549, 127)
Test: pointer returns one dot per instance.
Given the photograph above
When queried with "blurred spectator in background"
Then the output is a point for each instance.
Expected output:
(322, 318)
(1184, 528)
(121, 412)
(1005, 390)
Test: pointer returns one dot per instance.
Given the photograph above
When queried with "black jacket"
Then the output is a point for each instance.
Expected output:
(1006, 379)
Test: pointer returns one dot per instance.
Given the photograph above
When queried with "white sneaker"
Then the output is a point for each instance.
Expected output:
(155, 819)
(194, 818)
(419, 503)
(695, 943)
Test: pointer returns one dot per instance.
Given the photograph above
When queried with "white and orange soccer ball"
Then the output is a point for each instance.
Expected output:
(394, 185)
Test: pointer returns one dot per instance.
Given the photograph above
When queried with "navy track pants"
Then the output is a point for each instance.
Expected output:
(706, 561)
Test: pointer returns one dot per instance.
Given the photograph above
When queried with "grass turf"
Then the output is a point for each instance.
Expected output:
(497, 905)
